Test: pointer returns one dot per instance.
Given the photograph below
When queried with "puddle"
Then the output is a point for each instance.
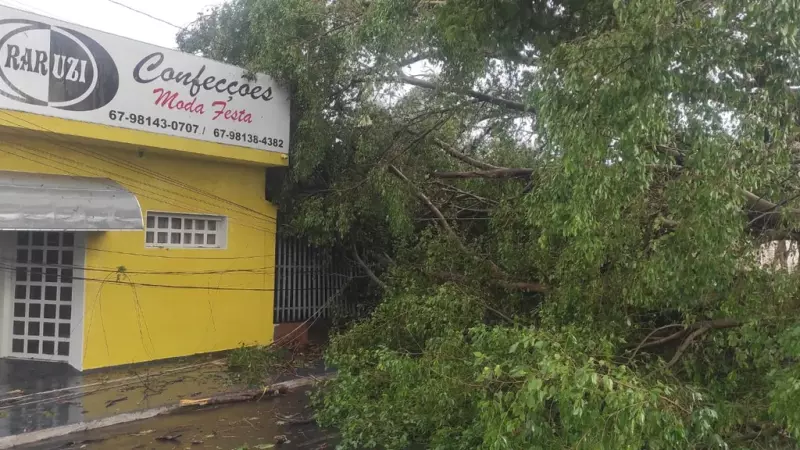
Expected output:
(71, 397)
(251, 425)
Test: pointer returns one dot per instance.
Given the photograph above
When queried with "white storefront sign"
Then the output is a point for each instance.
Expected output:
(57, 69)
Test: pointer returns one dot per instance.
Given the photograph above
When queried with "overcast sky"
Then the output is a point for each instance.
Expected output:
(107, 16)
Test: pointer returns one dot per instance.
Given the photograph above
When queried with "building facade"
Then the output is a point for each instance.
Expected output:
(133, 219)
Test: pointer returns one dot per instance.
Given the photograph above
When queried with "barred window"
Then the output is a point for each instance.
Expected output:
(184, 230)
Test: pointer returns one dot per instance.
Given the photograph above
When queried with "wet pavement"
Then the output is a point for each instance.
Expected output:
(38, 395)
(279, 423)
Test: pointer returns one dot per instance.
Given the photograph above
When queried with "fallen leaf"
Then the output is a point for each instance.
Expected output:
(264, 446)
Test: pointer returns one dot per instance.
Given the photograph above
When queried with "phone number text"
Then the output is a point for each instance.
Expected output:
(157, 122)
(247, 137)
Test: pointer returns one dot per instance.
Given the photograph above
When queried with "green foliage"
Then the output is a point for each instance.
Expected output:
(608, 297)
(253, 364)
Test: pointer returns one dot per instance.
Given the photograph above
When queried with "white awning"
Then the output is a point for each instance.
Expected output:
(35, 201)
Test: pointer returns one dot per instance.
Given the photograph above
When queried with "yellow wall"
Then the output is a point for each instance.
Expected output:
(126, 323)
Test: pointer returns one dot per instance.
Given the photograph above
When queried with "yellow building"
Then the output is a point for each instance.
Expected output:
(133, 219)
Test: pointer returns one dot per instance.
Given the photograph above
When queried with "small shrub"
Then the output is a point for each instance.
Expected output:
(253, 364)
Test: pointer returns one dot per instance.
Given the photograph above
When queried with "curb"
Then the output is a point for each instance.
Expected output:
(61, 431)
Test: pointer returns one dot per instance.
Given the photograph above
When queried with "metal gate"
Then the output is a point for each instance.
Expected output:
(309, 281)
(42, 306)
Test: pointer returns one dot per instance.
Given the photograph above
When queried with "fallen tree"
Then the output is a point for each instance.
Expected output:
(559, 207)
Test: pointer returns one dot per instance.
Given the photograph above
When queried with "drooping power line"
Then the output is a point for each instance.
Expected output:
(146, 14)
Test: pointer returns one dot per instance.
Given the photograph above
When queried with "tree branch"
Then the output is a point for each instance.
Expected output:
(424, 198)
(464, 193)
(642, 343)
(663, 340)
(762, 205)
(517, 58)
(367, 270)
(493, 173)
(686, 343)
(442, 221)
(463, 157)
(711, 324)
(523, 286)
(510, 104)
(764, 430)
(510, 285)
(695, 330)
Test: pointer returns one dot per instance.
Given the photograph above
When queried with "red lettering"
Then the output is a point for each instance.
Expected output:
(169, 99)
(189, 106)
(165, 98)
(223, 112)
(221, 109)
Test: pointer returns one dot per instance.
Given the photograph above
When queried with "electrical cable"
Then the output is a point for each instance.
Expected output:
(270, 270)
(166, 286)
(143, 170)
(105, 173)
(22, 6)
(198, 258)
(146, 14)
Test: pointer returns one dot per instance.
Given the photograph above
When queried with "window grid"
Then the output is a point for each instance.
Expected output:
(184, 231)
(41, 324)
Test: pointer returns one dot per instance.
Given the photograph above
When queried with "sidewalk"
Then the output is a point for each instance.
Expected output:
(39, 395)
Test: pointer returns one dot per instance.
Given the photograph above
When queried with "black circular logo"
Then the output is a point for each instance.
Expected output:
(47, 65)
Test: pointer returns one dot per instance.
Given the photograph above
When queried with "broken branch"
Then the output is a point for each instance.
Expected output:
(464, 193)
(367, 270)
(711, 324)
(442, 221)
(651, 334)
(686, 343)
(765, 206)
(424, 198)
(463, 157)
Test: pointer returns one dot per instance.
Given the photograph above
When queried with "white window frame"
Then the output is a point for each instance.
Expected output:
(8, 242)
(220, 234)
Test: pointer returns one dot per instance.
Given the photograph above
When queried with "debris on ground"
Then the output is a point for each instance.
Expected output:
(113, 402)
(169, 437)
(294, 419)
